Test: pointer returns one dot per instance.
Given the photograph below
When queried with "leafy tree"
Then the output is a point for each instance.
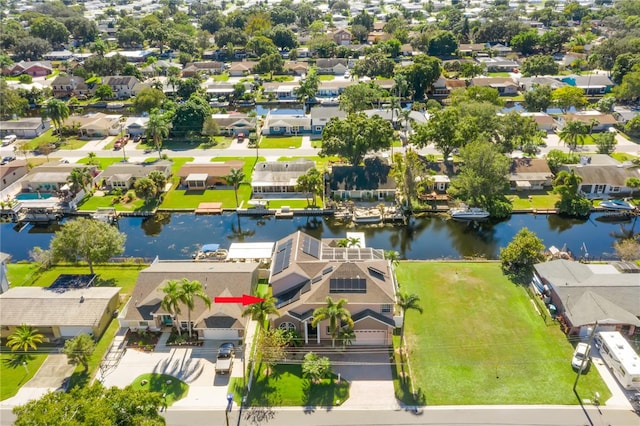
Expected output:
(443, 130)
(10, 101)
(442, 44)
(261, 311)
(629, 90)
(283, 37)
(521, 254)
(606, 142)
(272, 348)
(312, 182)
(235, 178)
(147, 99)
(363, 19)
(356, 135)
(188, 87)
(86, 239)
(539, 65)
(359, 33)
(337, 315)
(145, 188)
(358, 97)
(80, 178)
(407, 171)
(517, 131)
(375, 65)
(553, 40)
(605, 105)
(171, 301)
(573, 134)
(476, 94)
(189, 292)
(624, 64)
(270, 63)
(538, 98)
(79, 350)
(470, 70)
(556, 158)
(526, 42)
(571, 203)
(632, 127)
(24, 338)
(261, 45)
(57, 111)
(190, 116)
(227, 35)
(568, 96)
(32, 48)
(130, 37)
(210, 127)
(407, 302)
(420, 75)
(316, 368)
(103, 66)
(104, 91)
(212, 21)
(50, 29)
(157, 130)
(93, 404)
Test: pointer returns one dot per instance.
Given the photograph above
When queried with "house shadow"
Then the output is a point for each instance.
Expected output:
(194, 191)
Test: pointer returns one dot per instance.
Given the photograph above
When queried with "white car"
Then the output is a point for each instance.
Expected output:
(581, 353)
(9, 139)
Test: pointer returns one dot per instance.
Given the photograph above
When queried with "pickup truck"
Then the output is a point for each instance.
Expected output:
(224, 360)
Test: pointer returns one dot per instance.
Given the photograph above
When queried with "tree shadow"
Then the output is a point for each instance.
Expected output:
(259, 415)
(79, 379)
(17, 360)
(101, 282)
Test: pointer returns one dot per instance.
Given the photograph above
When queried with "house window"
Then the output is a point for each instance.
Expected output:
(386, 308)
(318, 128)
(615, 189)
(276, 129)
(295, 129)
(287, 326)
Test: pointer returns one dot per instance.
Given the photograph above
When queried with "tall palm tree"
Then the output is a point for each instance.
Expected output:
(171, 300)
(261, 311)
(189, 292)
(24, 338)
(157, 130)
(339, 317)
(80, 178)
(57, 111)
(573, 133)
(407, 302)
(234, 178)
(346, 336)
(393, 257)
(311, 183)
(308, 88)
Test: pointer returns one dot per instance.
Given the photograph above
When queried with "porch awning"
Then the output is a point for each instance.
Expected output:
(523, 184)
(196, 177)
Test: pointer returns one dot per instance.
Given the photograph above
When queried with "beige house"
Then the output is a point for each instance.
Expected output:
(12, 172)
(504, 85)
(529, 174)
(124, 175)
(342, 37)
(52, 177)
(201, 176)
(95, 125)
(305, 271)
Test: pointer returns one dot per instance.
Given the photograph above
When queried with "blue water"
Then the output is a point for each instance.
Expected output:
(33, 196)
(266, 109)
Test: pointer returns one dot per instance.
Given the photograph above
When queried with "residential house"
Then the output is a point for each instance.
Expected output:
(136, 125)
(192, 69)
(132, 55)
(442, 87)
(603, 176)
(34, 69)
(592, 84)
(406, 50)
(335, 66)
(320, 116)
(440, 174)
(52, 177)
(296, 68)
(371, 181)
(286, 125)
(122, 86)
(65, 86)
(528, 174)
(25, 128)
(332, 88)
(544, 121)
(220, 89)
(12, 172)
(241, 69)
(279, 177)
(232, 124)
(529, 83)
(504, 85)
(4, 274)
(58, 55)
(305, 271)
(501, 50)
(594, 120)
(58, 313)
(303, 52)
(498, 64)
(201, 176)
(584, 294)
(342, 37)
(622, 114)
(415, 118)
(123, 175)
(222, 321)
(281, 91)
(95, 125)
(570, 58)
(470, 49)
(375, 37)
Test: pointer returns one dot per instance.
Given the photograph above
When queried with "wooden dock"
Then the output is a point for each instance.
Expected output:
(209, 208)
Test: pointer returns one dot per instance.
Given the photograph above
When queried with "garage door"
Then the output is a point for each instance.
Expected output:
(370, 337)
(221, 334)
(74, 331)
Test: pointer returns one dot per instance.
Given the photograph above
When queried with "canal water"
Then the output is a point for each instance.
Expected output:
(178, 236)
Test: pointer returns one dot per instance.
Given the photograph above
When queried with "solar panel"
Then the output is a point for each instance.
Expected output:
(311, 246)
(347, 285)
(325, 271)
(283, 257)
(376, 272)
(316, 279)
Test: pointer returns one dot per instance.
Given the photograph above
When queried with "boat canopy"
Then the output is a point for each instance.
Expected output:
(209, 247)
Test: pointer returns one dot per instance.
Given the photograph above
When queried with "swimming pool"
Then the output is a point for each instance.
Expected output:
(33, 196)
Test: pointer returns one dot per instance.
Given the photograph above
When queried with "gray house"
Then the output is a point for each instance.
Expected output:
(603, 176)
(320, 116)
(25, 128)
(278, 176)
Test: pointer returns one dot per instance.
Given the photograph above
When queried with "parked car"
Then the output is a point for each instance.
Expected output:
(120, 143)
(9, 139)
(581, 353)
(240, 137)
(137, 138)
(224, 360)
(7, 159)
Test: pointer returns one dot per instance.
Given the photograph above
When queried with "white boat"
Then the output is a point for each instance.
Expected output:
(343, 215)
(622, 205)
(367, 216)
(466, 213)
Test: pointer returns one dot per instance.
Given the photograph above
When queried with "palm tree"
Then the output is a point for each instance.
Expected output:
(405, 115)
(346, 336)
(311, 183)
(573, 133)
(80, 178)
(189, 291)
(234, 178)
(171, 301)
(393, 257)
(157, 130)
(57, 111)
(308, 88)
(407, 302)
(261, 311)
(24, 338)
(339, 317)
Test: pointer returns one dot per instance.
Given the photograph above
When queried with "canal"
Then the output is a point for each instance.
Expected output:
(178, 236)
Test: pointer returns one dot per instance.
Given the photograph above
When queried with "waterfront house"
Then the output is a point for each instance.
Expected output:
(305, 271)
(219, 89)
(65, 86)
(232, 124)
(335, 66)
(122, 86)
(25, 128)
(201, 176)
(603, 176)
(592, 84)
(281, 91)
(415, 117)
(333, 88)
(369, 182)
(442, 87)
(52, 177)
(320, 116)
(543, 121)
(219, 279)
(528, 174)
(123, 175)
(504, 85)
(279, 177)
(286, 125)
(12, 172)
(4, 274)
(529, 83)
(584, 294)
(594, 120)
(192, 69)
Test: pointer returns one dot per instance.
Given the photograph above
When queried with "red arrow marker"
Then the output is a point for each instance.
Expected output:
(245, 300)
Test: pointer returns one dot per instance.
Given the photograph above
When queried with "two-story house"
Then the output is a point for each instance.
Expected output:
(122, 86)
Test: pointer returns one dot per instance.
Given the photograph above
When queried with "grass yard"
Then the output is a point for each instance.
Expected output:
(325, 77)
(499, 74)
(294, 203)
(533, 200)
(480, 341)
(285, 386)
(220, 77)
(183, 199)
(94, 202)
(622, 156)
(22, 274)
(49, 137)
(280, 142)
(14, 374)
(175, 390)
(321, 162)
(102, 162)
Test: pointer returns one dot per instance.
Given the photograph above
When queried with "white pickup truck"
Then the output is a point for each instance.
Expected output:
(224, 360)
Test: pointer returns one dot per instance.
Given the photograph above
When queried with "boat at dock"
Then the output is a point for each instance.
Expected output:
(468, 213)
(211, 252)
(618, 205)
(367, 216)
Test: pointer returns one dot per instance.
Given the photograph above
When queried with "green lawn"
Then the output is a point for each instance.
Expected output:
(498, 74)
(622, 156)
(325, 77)
(280, 142)
(294, 203)
(175, 390)
(183, 199)
(533, 200)
(102, 162)
(285, 386)
(14, 374)
(220, 77)
(480, 341)
(321, 162)
(22, 274)
(94, 202)
(49, 137)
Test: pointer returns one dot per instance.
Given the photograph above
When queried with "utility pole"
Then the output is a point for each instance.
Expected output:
(593, 333)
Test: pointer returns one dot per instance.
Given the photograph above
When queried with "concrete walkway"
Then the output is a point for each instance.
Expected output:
(619, 398)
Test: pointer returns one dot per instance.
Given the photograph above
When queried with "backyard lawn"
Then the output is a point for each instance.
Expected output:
(14, 374)
(285, 386)
(280, 142)
(174, 390)
(480, 341)
(533, 200)
(94, 202)
(183, 199)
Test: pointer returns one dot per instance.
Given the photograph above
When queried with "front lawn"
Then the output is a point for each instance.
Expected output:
(14, 374)
(321, 162)
(184, 199)
(101, 162)
(480, 340)
(326, 77)
(285, 386)
(280, 142)
(48, 137)
(173, 388)
(533, 200)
